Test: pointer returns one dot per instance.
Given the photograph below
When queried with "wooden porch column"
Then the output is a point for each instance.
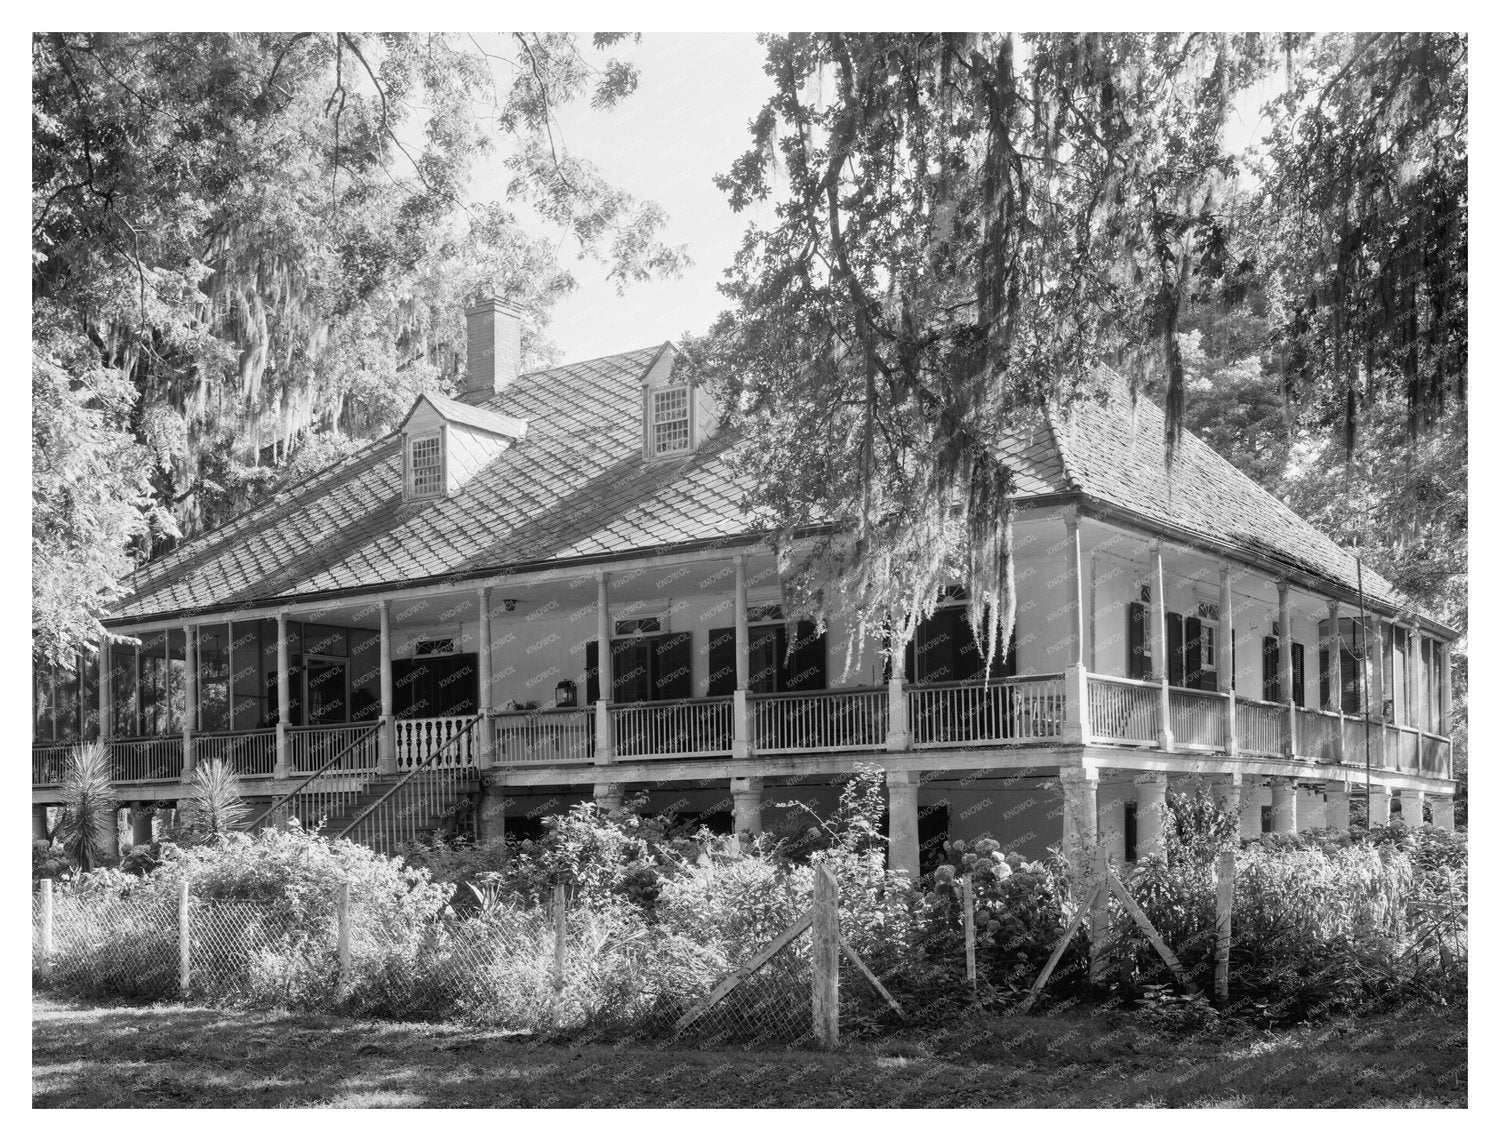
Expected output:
(1283, 806)
(1230, 791)
(1150, 814)
(604, 747)
(1379, 809)
(486, 699)
(1076, 676)
(385, 760)
(189, 698)
(1335, 644)
(746, 792)
(106, 691)
(903, 853)
(1284, 663)
(1445, 694)
(1159, 643)
(1377, 715)
(741, 746)
(1225, 652)
(1411, 807)
(1442, 812)
(283, 698)
(1413, 684)
(1337, 813)
(897, 733)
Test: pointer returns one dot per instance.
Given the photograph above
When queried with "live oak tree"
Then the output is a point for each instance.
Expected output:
(251, 250)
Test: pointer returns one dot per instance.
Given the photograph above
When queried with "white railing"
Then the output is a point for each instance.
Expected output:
(693, 727)
(48, 762)
(1260, 726)
(1403, 749)
(1124, 710)
(1002, 711)
(1436, 756)
(1317, 735)
(251, 752)
(535, 736)
(426, 802)
(419, 737)
(1198, 718)
(146, 758)
(825, 721)
(310, 748)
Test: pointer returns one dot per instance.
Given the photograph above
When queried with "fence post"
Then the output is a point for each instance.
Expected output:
(968, 882)
(1224, 908)
(825, 957)
(1098, 916)
(46, 887)
(346, 961)
(184, 942)
(560, 934)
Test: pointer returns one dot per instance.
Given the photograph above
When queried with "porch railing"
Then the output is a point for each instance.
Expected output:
(146, 758)
(433, 795)
(1124, 711)
(309, 749)
(48, 762)
(1002, 711)
(825, 721)
(1260, 726)
(251, 752)
(1197, 718)
(326, 792)
(1437, 756)
(448, 741)
(1317, 735)
(537, 736)
(692, 727)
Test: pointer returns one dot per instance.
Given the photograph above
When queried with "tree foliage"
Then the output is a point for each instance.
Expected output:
(248, 245)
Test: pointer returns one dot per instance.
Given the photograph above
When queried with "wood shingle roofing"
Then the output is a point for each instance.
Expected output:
(577, 487)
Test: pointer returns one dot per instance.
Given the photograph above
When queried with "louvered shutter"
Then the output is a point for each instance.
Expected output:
(721, 667)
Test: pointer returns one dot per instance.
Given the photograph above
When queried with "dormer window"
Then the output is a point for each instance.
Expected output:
(425, 463)
(670, 434)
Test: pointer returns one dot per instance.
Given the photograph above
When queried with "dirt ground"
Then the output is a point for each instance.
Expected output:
(187, 1056)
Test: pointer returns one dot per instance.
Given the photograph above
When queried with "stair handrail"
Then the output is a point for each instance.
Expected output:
(284, 800)
(415, 769)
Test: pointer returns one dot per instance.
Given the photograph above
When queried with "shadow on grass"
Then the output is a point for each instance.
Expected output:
(184, 1056)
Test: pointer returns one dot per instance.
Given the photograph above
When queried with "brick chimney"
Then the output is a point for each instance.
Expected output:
(494, 349)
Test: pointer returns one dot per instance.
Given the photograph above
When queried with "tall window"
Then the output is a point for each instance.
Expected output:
(427, 466)
(669, 421)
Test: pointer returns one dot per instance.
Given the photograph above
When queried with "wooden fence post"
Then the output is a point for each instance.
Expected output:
(346, 958)
(1224, 909)
(559, 934)
(970, 973)
(184, 940)
(1098, 916)
(825, 957)
(46, 933)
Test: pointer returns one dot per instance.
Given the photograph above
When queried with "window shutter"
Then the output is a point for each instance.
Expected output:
(1270, 663)
(1297, 678)
(1324, 697)
(672, 667)
(1174, 649)
(808, 668)
(591, 671)
(1192, 652)
(1135, 641)
(721, 649)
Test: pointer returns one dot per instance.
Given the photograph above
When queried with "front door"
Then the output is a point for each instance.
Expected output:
(327, 691)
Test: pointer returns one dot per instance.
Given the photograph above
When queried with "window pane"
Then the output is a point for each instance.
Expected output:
(669, 419)
(213, 678)
(427, 466)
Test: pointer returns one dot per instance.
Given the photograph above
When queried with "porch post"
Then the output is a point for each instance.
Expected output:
(1445, 693)
(741, 746)
(903, 852)
(609, 797)
(1250, 798)
(1080, 830)
(109, 836)
(1378, 813)
(1335, 645)
(106, 691)
(747, 793)
(1111, 820)
(1377, 715)
(1283, 806)
(1337, 813)
(385, 761)
(486, 723)
(1442, 812)
(1076, 680)
(1230, 791)
(1164, 739)
(604, 748)
(189, 698)
(283, 698)
(1225, 652)
(38, 822)
(140, 823)
(1413, 689)
(1284, 663)
(1411, 807)
(1150, 814)
(897, 732)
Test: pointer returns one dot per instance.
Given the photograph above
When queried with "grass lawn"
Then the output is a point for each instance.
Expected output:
(174, 1055)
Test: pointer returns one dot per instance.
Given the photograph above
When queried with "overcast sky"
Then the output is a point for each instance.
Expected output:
(685, 123)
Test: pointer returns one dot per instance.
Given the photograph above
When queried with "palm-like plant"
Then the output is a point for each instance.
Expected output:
(217, 807)
(89, 808)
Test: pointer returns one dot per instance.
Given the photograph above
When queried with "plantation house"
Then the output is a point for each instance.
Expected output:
(411, 640)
